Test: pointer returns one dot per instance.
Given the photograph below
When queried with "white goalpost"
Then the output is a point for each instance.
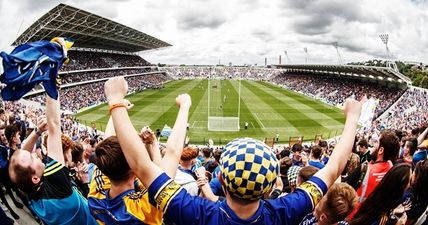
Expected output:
(216, 120)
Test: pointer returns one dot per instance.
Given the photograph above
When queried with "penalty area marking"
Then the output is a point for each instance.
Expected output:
(258, 120)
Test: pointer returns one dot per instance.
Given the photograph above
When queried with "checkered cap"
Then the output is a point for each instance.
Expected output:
(292, 174)
(249, 168)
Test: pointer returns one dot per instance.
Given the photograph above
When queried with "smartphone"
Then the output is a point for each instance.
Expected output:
(200, 172)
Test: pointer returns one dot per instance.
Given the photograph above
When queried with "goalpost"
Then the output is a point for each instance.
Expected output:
(217, 121)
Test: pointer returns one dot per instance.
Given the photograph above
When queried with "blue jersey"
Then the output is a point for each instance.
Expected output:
(184, 209)
(216, 171)
(216, 187)
(56, 202)
(419, 156)
(316, 164)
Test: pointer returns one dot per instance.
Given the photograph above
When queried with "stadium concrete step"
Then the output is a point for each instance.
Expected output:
(25, 216)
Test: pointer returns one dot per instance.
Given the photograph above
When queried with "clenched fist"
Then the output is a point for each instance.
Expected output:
(115, 89)
(147, 135)
(183, 100)
(352, 109)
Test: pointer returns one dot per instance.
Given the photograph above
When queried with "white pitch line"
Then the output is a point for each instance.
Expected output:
(193, 124)
(258, 120)
(252, 124)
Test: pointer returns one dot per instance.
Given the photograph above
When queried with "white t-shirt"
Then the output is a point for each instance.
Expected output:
(187, 182)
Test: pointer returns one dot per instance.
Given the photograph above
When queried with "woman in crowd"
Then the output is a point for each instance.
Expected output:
(379, 207)
(418, 192)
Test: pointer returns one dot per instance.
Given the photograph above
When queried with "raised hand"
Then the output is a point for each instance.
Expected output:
(115, 89)
(201, 181)
(147, 135)
(42, 123)
(352, 108)
(82, 172)
(183, 100)
(403, 207)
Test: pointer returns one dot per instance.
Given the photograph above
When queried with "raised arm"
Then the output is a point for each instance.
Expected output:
(54, 129)
(133, 147)
(110, 126)
(340, 155)
(152, 145)
(109, 129)
(206, 191)
(175, 143)
(31, 140)
(422, 136)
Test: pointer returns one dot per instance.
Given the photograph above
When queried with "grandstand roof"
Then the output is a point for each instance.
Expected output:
(373, 72)
(88, 31)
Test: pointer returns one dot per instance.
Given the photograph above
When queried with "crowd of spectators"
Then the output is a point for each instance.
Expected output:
(222, 72)
(94, 75)
(410, 111)
(85, 60)
(335, 90)
(81, 96)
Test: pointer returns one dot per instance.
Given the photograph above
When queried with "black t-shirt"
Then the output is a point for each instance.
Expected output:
(56, 182)
(353, 178)
(285, 184)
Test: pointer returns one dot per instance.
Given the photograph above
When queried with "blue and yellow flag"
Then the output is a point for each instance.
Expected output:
(33, 63)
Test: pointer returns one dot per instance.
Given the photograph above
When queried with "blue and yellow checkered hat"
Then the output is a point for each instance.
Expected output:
(248, 168)
(292, 174)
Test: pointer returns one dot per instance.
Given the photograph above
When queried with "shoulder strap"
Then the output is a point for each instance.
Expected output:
(423, 218)
(364, 180)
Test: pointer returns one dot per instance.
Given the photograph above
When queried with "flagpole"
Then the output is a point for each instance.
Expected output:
(209, 90)
(239, 99)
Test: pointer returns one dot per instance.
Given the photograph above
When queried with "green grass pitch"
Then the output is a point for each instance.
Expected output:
(268, 109)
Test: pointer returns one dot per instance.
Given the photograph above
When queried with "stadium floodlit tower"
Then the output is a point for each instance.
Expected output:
(307, 55)
(384, 38)
(389, 57)
(288, 58)
(339, 57)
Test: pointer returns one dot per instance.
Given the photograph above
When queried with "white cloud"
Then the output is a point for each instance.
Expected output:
(247, 31)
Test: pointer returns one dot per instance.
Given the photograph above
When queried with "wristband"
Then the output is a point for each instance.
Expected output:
(117, 105)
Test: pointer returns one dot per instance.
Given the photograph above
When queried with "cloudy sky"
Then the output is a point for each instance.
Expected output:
(247, 31)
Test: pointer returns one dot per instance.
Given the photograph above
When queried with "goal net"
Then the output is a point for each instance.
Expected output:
(216, 123)
(223, 105)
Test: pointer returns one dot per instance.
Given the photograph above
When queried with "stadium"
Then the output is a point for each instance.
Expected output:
(283, 105)
(278, 112)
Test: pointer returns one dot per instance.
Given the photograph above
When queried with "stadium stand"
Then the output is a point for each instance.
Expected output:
(334, 90)
(78, 76)
(202, 72)
(86, 60)
(408, 112)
